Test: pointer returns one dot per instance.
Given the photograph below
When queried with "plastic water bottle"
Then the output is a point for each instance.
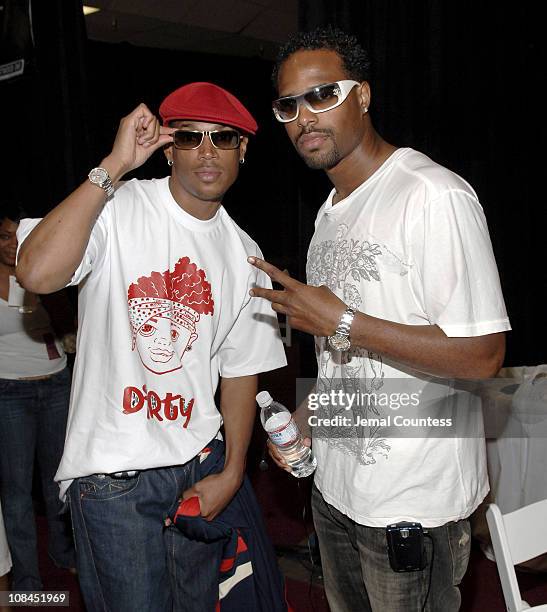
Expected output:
(284, 433)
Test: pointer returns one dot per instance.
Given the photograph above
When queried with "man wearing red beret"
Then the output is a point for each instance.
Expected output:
(162, 316)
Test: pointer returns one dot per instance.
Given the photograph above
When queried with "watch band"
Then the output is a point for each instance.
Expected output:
(340, 340)
(345, 322)
(108, 187)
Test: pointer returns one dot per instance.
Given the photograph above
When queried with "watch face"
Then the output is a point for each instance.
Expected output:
(98, 176)
(339, 342)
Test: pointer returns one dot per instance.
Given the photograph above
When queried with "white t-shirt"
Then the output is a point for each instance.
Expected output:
(28, 346)
(164, 308)
(409, 245)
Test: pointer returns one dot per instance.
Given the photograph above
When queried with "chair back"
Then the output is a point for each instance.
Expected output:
(516, 537)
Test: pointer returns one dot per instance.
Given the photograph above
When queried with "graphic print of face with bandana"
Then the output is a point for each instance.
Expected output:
(164, 309)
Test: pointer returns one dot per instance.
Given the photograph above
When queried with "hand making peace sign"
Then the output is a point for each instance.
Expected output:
(315, 310)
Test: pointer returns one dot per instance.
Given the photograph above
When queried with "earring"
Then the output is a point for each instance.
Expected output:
(169, 162)
(365, 109)
(242, 161)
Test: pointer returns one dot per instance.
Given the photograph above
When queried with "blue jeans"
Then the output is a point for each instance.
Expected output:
(357, 574)
(127, 559)
(33, 414)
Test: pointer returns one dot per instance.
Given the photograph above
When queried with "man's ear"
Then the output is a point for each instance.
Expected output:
(364, 96)
(243, 147)
(168, 152)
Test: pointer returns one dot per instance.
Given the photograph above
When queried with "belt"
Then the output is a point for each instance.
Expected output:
(120, 475)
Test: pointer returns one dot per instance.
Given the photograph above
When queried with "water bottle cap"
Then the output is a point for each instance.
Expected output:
(264, 399)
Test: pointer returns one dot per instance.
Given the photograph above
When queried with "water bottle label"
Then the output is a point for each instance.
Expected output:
(287, 433)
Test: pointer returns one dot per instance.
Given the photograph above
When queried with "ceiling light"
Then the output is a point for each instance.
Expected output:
(88, 10)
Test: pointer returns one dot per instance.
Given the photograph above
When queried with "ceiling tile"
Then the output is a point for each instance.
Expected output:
(275, 26)
(166, 10)
(228, 16)
(233, 27)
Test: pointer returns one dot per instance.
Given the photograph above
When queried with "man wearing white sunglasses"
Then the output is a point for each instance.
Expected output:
(402, 292)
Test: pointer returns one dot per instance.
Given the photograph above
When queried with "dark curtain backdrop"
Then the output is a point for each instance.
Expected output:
(457, 80)
(45, 111)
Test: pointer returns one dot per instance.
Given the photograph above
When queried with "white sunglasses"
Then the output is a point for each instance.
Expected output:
(317, 100)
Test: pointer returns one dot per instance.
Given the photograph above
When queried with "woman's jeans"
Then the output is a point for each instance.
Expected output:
(33, 417)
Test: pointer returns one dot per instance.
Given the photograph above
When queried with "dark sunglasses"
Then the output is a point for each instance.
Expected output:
(220, 139)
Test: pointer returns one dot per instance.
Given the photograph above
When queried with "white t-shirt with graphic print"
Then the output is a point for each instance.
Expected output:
(409, 245)
(164, 309)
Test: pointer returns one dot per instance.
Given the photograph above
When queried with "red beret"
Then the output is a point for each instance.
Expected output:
(209, 103)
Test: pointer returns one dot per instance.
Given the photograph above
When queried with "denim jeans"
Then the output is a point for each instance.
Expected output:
(127, 559)
(33, 414)
(357, 574)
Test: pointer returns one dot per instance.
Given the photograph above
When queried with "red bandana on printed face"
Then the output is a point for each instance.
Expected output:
(164, 309)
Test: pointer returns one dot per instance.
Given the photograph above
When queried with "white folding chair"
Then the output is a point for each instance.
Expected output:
(517, 537)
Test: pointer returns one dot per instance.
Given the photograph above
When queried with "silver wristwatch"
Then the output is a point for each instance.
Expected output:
(340, 340)
(99, 176)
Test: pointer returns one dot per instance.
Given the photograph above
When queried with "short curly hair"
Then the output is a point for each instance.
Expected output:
(13, 211)
(355, 59)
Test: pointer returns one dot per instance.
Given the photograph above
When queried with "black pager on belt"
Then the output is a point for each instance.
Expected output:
(405, 546)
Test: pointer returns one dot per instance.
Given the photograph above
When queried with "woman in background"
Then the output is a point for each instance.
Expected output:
(34, 395)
